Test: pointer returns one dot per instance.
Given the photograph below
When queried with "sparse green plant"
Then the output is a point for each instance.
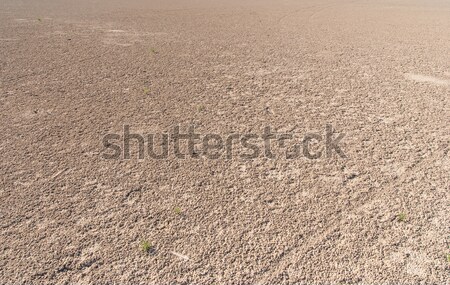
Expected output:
(448, 257)
(146, 246)
(153, 51)
(146, 90)
(401, 217)
(201, 108)
(39, 19)
(177, 210)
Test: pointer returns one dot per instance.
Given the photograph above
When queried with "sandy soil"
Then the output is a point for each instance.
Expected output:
(73, 71)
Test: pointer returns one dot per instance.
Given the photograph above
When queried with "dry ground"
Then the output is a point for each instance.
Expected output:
(73, 71)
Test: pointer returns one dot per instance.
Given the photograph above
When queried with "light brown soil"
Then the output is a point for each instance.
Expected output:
(73, 71)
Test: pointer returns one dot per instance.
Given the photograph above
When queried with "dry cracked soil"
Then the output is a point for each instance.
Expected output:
(377, 72)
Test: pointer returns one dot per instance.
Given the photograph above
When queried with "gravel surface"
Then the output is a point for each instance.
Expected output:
(378, 72)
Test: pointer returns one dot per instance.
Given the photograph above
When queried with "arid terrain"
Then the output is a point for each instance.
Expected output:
(72, 72)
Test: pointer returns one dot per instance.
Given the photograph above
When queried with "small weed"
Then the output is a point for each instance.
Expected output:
(146, 90)
(177, 210)
(401, 217)
(146, 246)
(153, 51)
(39, 19)
(448, 257)
(201, 108)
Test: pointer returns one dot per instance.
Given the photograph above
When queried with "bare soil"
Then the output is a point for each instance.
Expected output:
(74, 71)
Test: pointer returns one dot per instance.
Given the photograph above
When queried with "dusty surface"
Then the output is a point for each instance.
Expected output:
(73, 71)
